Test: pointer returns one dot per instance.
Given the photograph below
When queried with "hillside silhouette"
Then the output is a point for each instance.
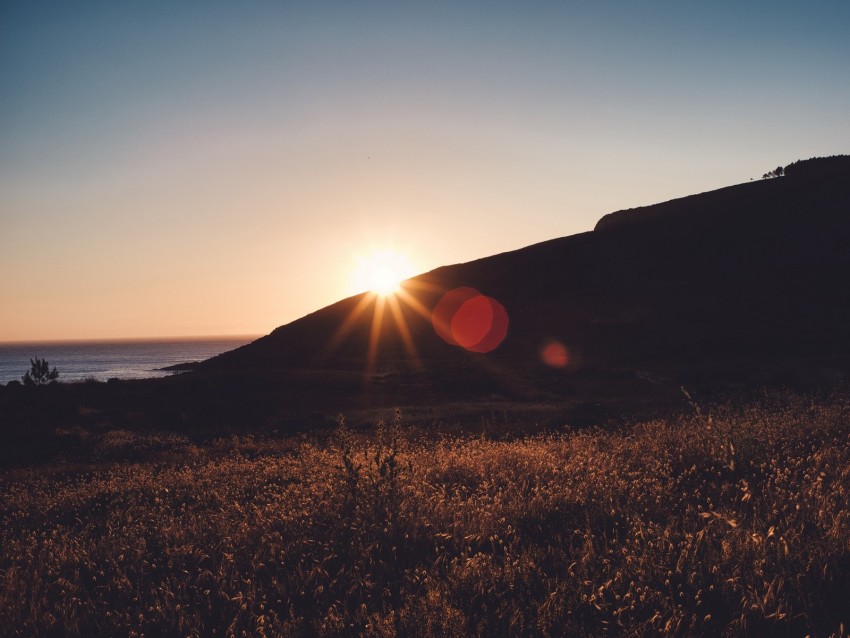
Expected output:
(726, 282)
(726, 293)
(234, 496)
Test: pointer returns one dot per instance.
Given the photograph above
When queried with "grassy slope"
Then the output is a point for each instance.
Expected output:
(662, 527)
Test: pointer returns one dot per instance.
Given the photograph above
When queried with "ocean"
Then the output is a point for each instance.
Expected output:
(103, 360)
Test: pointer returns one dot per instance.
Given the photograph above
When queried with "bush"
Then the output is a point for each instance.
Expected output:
(40, 373)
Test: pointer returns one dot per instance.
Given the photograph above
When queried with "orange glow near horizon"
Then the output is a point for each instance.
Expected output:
(242, 177)
(403, 329)
(463, 317)
(394, 301)
(382, 272)
(375, 332)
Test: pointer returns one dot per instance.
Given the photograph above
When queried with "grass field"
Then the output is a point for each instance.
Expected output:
(727, 521)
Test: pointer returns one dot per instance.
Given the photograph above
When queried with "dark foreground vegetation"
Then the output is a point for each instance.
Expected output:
(735, 522)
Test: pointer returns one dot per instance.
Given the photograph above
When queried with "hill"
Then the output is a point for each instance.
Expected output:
(735, 283)
(726, 293)
(172, 506)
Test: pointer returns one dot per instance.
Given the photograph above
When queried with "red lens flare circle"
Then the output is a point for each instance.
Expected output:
(444, 312)
(555, 354)
(466, 318)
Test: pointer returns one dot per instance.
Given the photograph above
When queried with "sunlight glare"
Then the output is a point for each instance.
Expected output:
(381, 272)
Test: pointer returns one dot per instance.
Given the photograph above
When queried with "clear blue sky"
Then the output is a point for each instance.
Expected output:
(182, 168)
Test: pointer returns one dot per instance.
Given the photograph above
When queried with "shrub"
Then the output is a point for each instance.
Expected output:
(40, 373)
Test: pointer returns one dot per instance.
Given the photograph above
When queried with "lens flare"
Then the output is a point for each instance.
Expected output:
(381, 272)
(445, 310)
(555, 354)
(466, 318)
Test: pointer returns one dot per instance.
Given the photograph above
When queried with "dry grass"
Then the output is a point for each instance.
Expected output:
(737, 524)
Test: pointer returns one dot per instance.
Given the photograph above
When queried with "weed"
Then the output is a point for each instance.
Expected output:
(663, 527)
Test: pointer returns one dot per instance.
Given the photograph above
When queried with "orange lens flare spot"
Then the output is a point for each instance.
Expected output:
(444, 312)
(466, 318)
(471, 323)
(555, 354)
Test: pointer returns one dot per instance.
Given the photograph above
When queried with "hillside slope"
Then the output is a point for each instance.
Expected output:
(753, 272)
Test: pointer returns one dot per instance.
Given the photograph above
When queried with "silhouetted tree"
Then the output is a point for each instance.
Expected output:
(832, 165)
(40, 373)
(776, 172)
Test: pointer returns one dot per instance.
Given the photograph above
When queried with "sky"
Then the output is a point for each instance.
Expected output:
(217, 168)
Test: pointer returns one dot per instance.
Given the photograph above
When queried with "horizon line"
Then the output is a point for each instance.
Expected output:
(156, 339)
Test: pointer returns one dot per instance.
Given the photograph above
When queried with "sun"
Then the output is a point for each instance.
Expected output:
(381, 272)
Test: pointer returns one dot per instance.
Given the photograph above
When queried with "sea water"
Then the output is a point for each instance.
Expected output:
(103, 360)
